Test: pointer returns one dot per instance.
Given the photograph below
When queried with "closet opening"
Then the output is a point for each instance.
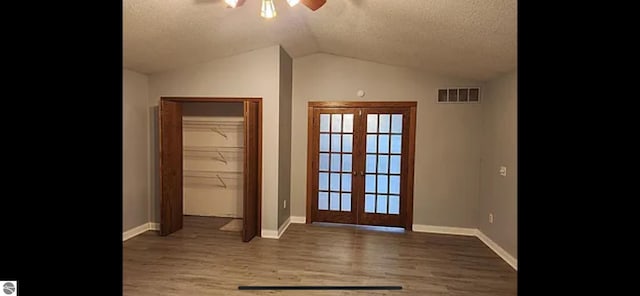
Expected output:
(210, 163)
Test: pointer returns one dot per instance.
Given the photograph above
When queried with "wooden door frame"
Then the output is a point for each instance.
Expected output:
(412, 106)
(226, 100)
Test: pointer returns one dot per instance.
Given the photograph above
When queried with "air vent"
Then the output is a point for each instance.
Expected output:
(459, 95)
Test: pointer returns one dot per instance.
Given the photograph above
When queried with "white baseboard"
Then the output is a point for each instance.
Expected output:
(277, 234)
(298, 219)
(154, 226)
(513, 262)
(284, 227)
(444, 229)
(266, 233)
(498, 250)
(139, 230)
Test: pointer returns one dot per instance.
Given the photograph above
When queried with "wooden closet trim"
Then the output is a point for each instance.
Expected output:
(223, 100)
(408, 223)
(208, 99)
(362, 104)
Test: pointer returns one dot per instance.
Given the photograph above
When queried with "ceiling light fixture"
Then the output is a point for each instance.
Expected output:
(268, 9)
(234, 3)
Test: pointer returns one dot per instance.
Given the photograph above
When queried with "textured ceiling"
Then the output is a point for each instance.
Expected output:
(473, 39)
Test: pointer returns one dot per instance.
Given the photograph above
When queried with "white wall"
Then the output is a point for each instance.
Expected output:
(448, 135)
(252, 74)
(284, 192)
(499, 194)
(135, 150)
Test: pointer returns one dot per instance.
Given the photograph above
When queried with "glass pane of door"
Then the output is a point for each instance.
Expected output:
(383, 163)
(335, 157)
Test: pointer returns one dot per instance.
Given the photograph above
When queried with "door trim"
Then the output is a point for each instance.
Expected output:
(412, 106)
(171, 173)
(223, 100)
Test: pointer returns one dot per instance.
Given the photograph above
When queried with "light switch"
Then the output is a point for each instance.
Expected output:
(503, 171)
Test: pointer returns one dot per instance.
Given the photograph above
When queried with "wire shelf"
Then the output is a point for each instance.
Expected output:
(219, 179)
(218, 153)
(221, 127)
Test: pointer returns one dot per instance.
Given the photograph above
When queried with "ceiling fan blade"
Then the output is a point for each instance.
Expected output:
(313, 4)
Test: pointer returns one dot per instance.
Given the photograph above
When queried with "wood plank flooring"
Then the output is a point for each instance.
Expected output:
(202, 260)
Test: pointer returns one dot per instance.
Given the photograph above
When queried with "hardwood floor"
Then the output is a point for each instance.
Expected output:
(202, 260)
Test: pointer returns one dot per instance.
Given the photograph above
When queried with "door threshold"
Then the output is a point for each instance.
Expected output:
(362, 227)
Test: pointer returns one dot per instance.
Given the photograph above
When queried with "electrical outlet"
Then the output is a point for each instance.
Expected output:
(503, 171)
(491, 218)
(285, 203)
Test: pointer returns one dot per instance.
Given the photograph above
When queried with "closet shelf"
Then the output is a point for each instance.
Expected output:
(212, 174)
(213, 148)
(203, 177)
(217, 126)
(213, 153)
(218, 156)
(213, 122)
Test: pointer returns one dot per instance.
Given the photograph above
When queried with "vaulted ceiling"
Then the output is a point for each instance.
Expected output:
(472, 39)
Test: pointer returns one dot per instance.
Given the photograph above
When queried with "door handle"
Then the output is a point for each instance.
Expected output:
(355, 173)
(361, 173)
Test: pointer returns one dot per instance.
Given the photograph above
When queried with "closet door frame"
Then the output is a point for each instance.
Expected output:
(407, 207)
(216, 100)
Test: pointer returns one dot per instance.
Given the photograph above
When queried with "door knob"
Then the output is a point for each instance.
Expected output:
(361, 173)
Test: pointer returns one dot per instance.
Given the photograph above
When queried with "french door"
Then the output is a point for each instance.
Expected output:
(361, 163)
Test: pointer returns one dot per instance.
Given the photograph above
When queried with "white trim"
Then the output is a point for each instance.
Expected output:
(276, 234)
(298, 219)
(266, 233)
(497, 249)
(154, 226)
(138, 230)
(444, 230)
(513, 262)
(284, 227)
(135, 231)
